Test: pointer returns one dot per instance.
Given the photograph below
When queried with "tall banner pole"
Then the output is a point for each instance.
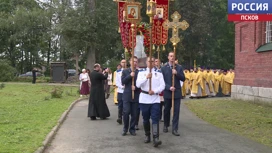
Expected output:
(132, 56)
(132, 14)
(150, 11)
(173, 76)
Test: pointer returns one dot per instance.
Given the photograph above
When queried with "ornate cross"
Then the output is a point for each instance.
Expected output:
(175, 25)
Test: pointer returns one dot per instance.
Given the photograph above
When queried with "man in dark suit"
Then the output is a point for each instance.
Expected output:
(130, 106)
(167, 72)
(34, 74)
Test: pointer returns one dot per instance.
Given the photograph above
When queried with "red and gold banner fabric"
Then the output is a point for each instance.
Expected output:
(126, 32)
(160, 34)
(124, 26)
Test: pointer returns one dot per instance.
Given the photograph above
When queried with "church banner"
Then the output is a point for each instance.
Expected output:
(124, 26)
(159, 33)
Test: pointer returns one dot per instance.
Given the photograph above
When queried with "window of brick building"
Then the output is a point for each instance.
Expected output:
(268, 32)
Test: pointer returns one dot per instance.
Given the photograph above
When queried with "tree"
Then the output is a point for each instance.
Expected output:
(35, 32)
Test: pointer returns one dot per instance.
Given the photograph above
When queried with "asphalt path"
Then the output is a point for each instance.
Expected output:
(78, 134)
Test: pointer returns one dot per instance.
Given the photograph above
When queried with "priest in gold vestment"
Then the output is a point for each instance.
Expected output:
(210, 82)
(218, 76)
(197, 84)
(114, 85)
(227, 81)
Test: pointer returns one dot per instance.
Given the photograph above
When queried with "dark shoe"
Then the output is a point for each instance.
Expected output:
(136, 127)
(147, 139)
(93, 118)
(119, 120)
(132, 133)
(156, 140)
(165, 129)
(120, 115)
(124, 133)
(108, 95)
(147, 132)
(161, 120)
(175, 133)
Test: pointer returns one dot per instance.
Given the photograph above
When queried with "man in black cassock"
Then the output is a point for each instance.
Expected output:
(97, 102)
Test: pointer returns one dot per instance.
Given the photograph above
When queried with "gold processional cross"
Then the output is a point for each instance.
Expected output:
(175, 25)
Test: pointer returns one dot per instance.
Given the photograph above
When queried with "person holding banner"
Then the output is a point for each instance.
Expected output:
(130, 102)
(167, 72)
(149, 99)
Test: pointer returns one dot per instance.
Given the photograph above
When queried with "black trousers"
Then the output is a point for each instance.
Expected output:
(34, 80)
(162, 105)
(137, 117)
(129, 115)
(167, 110)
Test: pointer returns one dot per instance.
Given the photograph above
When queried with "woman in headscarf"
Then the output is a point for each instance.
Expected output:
(84, 83)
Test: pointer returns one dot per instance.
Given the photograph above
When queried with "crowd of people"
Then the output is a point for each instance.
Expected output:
(144, 90)
(149, 90)
(205, 82)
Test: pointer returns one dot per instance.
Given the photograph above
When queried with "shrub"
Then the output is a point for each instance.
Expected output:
(7, 72)
(47, 98)
(70, 93)
(2, 85)
(57, 92)
(29, 79)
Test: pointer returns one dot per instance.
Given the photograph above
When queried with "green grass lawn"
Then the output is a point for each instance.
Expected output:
(28, 113)
(243, 118)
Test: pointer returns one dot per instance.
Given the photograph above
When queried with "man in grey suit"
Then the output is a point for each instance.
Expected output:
(167, 72)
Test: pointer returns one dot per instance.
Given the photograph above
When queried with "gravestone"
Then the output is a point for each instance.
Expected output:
(58, 72)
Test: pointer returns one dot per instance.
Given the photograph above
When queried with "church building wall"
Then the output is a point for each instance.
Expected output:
(252, 69)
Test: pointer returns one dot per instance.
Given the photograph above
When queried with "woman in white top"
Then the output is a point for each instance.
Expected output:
(108, 84)
(84, 83)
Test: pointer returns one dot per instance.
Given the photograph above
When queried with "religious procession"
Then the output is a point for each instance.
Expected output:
(143, 84)
(137, 76)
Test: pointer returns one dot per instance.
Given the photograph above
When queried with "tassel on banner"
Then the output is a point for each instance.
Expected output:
(163, 48)
(158, 49)
(119, 30)
(126, 50)
(153, 48)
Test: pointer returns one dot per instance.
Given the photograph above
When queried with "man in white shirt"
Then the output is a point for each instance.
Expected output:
(149, 99)
(120, 91)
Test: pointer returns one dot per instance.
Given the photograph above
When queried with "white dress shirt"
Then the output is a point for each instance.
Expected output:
(119, 81)
(157, 85)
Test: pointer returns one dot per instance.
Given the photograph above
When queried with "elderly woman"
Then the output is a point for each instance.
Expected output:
(84, 83)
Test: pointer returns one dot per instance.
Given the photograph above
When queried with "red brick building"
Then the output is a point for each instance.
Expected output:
(253, 55)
